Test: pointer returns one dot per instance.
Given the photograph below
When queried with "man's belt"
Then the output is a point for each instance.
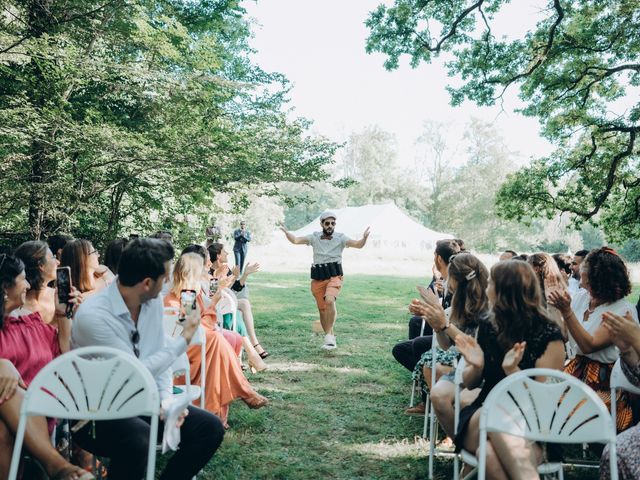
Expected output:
(322, 271)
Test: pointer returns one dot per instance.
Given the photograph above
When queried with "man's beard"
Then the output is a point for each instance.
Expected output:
(327, 231)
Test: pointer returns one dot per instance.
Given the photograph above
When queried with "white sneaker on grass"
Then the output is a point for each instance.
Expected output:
(329, 342)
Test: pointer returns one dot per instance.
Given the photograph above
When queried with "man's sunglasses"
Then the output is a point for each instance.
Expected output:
(329, 223)
(135, 340)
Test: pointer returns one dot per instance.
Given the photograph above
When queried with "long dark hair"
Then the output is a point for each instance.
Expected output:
(10, 268)
(34, 255)
(113, 253)
(518, 311)
(470, 297)
(214, 250)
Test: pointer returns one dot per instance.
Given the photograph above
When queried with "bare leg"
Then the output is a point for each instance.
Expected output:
(442, 398)
(518, 456)
(440, 370)
(6, 449)
(472, 444)
(254, 359)
(247, 315)
(329, 314)
(36, 437)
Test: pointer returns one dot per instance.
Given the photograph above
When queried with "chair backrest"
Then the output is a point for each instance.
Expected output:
(170, 321)
(93, 383)
(563, 411)
(228, 302)
(619, 380)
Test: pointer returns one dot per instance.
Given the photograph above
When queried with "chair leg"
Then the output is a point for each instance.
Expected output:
(413, 393)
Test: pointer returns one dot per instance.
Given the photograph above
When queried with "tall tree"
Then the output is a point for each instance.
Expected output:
(574, 68)
(112, 109)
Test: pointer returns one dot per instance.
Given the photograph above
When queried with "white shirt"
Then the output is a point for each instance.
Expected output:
(327, 251)
(574, 286)
(104, 319)
(580, 305)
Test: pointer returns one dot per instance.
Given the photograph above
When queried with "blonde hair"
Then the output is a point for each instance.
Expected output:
(187, 273)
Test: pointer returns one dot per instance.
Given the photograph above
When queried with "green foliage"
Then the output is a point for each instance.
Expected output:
(575, 68)
(121, 115)
(630, 250)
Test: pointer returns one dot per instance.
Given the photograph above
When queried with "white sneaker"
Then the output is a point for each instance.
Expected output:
(329, 342)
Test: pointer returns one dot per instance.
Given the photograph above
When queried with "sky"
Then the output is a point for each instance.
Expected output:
(320, 47)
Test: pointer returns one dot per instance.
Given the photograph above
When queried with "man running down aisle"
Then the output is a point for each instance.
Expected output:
(326, 270)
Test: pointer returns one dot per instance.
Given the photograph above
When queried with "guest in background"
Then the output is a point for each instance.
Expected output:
(57, 243)
(507, 255)
(574, 281)
(113, 253)
(241, 237)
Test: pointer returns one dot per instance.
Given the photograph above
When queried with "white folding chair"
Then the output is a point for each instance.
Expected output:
(617, 381)
(228, 304)
(429, 413)
(414, 383)
(91, 383)
(173, 328)
(564, 411)
(459, 386)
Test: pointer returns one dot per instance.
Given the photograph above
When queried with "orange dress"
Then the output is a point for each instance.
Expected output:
(225, 381)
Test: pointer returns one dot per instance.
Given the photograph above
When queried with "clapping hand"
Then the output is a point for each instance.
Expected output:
(560, 299)
(251, 268)
(470, 350)
(513, 358)
(623, 329)
(235, 271)
(432, 313)
(181, 418)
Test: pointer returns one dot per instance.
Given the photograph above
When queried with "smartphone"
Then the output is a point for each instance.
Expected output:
(63, 284)
(213, 287)
(187, 303)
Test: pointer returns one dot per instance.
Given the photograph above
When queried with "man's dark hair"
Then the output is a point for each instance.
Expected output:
(460, 243)
(446, 248)
(143, 258)
(563, 261)
(523, 257)
(58, 242)
(513, 254)
(195, 248)
(581, 253)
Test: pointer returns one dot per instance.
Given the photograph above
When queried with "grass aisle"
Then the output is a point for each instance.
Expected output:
(332, 414)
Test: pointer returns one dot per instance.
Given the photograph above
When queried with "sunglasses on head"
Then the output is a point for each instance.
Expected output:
(329, 223)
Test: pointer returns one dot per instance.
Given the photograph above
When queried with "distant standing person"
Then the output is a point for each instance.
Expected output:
(326, 271)
(242, 236)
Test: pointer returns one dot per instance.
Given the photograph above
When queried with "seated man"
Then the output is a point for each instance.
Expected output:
(127, 315)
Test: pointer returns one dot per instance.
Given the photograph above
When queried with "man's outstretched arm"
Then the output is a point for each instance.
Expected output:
(293, 239)
(359, 243)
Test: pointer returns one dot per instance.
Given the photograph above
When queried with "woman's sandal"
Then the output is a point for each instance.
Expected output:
(256, 401)
(264, 354)
(73, 473)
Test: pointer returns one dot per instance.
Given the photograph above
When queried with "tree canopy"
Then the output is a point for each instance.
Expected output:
(117, 115)
(576, 69)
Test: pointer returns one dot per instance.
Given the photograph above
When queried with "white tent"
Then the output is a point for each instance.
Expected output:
(390, 227)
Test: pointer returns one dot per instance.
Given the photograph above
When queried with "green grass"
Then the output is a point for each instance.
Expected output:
(336, 415)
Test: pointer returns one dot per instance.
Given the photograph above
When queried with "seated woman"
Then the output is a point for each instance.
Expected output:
(225, 381)
(625, 333)
(206, 299)
(27, 344)
(40, 269)
(220, 269)
(551, 280)
(87, 275)
(468, 278)
(520, 335)
(113, 252)
(605, 281)
(409, 352)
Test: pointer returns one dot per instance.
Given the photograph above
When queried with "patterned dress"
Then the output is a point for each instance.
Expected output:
(627, 443)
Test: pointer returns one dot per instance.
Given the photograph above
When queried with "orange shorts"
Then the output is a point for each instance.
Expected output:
(322, 288)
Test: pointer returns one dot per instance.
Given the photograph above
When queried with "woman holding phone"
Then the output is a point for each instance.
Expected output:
(225, 381)
(27, 344)
(40, 269)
